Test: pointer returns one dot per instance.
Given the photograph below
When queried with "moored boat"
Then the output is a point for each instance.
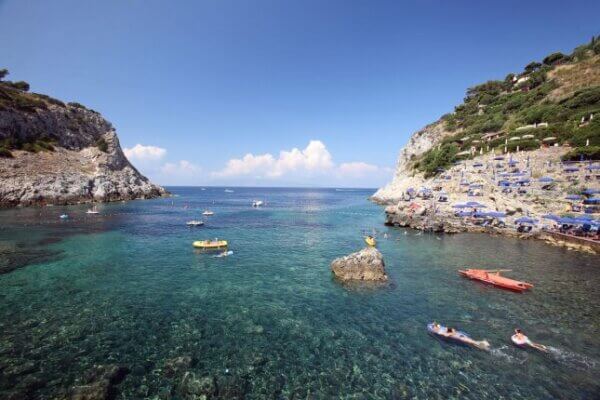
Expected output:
(493, 277)
(194, 223)
(208, 213)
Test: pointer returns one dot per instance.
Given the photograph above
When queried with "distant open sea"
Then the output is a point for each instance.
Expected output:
(268, 322)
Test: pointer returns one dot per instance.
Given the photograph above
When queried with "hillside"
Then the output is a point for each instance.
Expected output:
(550, 103)
(57, 153)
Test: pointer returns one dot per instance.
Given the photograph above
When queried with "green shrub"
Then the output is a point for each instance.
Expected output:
(439, 157)
(5, 153)
(584, 97)
(555, 58)
(102, 145)
(588, 153)
(77, 105)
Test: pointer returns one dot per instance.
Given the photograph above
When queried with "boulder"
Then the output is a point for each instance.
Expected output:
(365, 265)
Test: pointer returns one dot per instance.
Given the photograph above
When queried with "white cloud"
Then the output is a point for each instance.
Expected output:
(142, 153)
(357, 169)
(315, 157)
(179, 169)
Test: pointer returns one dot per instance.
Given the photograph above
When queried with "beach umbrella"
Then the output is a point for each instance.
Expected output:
(503, 183)
(573, 197)
(525, 220)
(464, 213)
(589, 192)
(593, 167)
(551, 217)
(571, 169)
(478, 164)
(546, 179)
(475, 204)
(592, 200)
(499, 158)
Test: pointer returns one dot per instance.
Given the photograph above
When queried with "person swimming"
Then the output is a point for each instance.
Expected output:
(521, 340)
(452, 333)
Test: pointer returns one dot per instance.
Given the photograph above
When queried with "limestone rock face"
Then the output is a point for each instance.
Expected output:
(365, 265)
(404, 176)
(78, 170)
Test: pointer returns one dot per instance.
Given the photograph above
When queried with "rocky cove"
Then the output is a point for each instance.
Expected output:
(57, 153)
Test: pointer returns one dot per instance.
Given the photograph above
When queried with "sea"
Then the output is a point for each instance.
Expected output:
(269, 321)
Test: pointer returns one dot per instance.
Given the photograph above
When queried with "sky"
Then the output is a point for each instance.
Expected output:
(277, 92)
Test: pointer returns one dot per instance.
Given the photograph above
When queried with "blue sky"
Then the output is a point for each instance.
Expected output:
(222, 92)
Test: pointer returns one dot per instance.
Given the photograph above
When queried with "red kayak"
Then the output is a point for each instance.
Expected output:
(494, 278)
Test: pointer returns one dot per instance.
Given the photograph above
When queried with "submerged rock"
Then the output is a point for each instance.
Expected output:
(101, 381)
(193, 388)
(365, 265)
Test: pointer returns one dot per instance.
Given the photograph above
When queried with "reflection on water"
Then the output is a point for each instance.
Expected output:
(126, 288)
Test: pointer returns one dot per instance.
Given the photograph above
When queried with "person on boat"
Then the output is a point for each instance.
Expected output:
(520, 339)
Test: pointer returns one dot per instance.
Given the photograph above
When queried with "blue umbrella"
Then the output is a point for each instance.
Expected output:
(573, 197)
(591, 191)
(478, 164)
(498, 158)
(503, 183)
(592, 167)
(592, 200)
(551, 216)
(546, 179)
(475, 204)
(525, 220)
(571, 169)
(464, 213)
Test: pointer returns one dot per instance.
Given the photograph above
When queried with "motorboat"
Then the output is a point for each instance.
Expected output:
(257, 203)
(194, 223)
(93, 210)
(208, 213)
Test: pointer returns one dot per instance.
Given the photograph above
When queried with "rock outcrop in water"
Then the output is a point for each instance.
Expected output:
(56, 153)
(365, 265)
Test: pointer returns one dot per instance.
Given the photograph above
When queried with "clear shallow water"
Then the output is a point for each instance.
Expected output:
(126, 287)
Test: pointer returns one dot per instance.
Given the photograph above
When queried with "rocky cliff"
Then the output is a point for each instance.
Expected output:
(555, 102)
(405, 176)
(57, 153)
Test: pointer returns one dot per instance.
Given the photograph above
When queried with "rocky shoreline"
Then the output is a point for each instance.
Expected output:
(423, 220)
(56, 153)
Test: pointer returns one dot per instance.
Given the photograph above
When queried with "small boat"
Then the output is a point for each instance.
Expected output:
(370, 240)
(64, 216)
(210, 244)
(257, 203)
(224, 254)
(493, 277)
(208, 213)
(93, 210)
(194, 223)
(228, 191)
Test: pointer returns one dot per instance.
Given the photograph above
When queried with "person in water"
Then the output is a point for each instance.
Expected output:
(520, 339)
(452, 333)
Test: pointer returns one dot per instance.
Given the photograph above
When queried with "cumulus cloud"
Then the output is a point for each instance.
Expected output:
(139, 152)
(315, 157)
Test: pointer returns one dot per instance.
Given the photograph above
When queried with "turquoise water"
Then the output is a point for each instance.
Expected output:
(126, 287)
